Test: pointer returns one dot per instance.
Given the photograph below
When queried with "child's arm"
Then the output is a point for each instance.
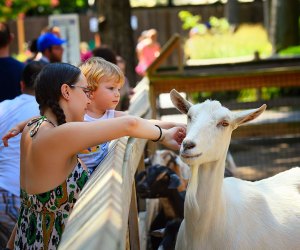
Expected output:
(17, 129)
(162, 124)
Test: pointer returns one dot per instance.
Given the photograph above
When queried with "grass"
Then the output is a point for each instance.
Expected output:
(291, 51)
(244, 42)
(247, 40)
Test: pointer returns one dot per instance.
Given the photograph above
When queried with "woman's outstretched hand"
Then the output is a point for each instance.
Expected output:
(173, 137)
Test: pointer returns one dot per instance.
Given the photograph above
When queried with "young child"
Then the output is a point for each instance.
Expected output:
(105, 80)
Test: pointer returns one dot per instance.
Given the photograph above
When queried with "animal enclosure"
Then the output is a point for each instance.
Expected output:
(261, 148)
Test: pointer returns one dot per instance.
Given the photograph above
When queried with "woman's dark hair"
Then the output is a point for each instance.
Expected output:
(48, 87)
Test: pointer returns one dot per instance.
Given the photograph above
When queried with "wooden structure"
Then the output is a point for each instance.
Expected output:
(226, 77)
(105, 215)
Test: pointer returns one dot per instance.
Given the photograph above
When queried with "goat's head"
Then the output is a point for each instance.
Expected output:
(209, 128)
(163, 157)
(156, 181)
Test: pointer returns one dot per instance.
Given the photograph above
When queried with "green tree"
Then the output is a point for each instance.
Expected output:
(9, 9)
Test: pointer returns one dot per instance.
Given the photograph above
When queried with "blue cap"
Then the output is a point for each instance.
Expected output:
(47, 40)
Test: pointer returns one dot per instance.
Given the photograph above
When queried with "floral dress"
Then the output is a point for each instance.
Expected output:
(43, 216)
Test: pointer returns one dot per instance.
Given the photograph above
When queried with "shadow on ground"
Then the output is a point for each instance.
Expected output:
(261, 158)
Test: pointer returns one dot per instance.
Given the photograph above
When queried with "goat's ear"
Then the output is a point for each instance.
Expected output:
(174, 181)
(248, 115)
(179, 102)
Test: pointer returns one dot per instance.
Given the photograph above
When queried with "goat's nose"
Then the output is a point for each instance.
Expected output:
(188, 145)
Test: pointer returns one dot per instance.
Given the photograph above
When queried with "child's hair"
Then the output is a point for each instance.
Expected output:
(48, 87)
(97, 70)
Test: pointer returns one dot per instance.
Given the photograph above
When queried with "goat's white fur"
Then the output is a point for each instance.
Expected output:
(231, 213)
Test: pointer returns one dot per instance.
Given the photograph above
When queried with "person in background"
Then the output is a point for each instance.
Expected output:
(51, 47)
(85, 52)
(12, 112)
(10, 68)
(127, 91)
(35, 55)
(147, 50)
(52, 29)
(52, 176)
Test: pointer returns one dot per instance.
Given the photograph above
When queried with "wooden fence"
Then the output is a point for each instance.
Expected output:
(105, 215)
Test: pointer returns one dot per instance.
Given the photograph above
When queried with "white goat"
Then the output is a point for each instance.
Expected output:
(232, 213)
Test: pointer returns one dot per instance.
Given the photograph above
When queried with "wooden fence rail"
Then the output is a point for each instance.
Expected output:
(99, 219)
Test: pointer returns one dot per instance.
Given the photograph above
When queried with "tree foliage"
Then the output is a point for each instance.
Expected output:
(9, 9)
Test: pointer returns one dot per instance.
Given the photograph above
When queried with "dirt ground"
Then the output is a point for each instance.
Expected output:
(261, 158)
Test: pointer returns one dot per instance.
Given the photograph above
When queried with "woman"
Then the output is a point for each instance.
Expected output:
(51, 175)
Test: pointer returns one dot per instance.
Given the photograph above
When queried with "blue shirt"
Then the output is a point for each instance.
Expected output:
(10, 77)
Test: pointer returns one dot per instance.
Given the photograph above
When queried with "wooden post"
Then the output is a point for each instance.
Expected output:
(133, 222)
(97, 39)
(21, 33)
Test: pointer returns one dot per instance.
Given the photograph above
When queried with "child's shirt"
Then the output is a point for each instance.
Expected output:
(93, 156)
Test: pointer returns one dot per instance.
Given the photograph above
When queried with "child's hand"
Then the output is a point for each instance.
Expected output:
(173, 137)
(10, 134)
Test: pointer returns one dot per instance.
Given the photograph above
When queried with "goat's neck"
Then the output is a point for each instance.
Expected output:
(204, 199)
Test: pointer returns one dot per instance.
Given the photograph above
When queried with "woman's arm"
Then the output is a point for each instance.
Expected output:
(75, 136)
(167, 125)
(162, 124)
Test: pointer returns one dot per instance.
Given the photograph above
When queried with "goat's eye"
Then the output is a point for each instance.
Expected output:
(223, 123)
(189, 118)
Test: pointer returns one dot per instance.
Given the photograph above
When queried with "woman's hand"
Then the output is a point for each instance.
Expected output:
(173, 137)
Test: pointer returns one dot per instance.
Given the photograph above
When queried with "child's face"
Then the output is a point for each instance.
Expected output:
(107, 95)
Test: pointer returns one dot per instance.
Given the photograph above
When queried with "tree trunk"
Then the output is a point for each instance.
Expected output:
(284, 26)
(232, 12)
(267, 10)
(116, 32)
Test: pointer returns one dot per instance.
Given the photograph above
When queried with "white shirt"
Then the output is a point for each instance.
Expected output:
(93, 156)
(12, 112)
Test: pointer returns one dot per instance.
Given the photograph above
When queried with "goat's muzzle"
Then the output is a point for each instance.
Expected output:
(187, 144)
